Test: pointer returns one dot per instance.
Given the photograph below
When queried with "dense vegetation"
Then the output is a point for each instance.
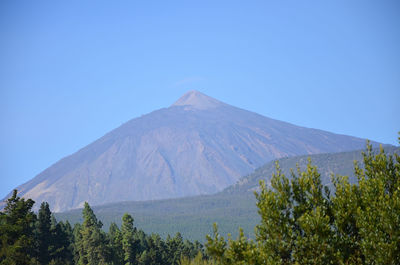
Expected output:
(27, 238)
(301, 222)
(193, 217)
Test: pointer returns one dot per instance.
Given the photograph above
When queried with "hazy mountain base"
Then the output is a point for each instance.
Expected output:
(232, 208)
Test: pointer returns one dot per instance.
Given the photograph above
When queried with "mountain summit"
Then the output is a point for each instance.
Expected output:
(198, 145)
(197, 100)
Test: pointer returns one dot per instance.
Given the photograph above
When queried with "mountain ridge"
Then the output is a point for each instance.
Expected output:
(198, 145)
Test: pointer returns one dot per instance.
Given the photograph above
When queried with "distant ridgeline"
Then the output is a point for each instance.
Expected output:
(328, 164)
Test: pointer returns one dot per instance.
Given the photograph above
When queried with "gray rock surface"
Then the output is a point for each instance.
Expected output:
(198, 145)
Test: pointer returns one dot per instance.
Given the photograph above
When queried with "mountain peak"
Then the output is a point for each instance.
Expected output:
(197, 100)
(174, 153)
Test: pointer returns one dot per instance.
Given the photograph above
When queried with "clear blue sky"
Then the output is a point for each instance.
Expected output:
(70, 71)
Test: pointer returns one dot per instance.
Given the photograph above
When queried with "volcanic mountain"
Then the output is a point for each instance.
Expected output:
(198, 145)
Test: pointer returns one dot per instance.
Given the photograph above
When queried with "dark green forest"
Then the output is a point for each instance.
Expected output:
(301, 221)
(27, 238)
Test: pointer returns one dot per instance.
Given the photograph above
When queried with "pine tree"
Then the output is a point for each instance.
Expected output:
(378, 211)
(175, 247)
(16, 231)
(115, 244)
(53, 240)
(43, 235)
(129, 244)
(78, 251)
(92, 245)
(155, 251)
(66, 240)
(59, 250)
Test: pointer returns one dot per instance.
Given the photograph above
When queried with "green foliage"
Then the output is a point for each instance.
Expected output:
(52, 242)
(174, 248)
(378, 211)
(17, 232)
(197, 260)
(216, 245)
(91, 243)
(78, 243)
(42, 233)
(60, 247)
(177, 215)
(301, 223)
(155, 251)
(127, 245)
(115, 244)
(128, 242)
(242, 250)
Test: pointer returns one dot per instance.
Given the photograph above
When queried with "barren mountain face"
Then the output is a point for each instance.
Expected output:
(198, 145)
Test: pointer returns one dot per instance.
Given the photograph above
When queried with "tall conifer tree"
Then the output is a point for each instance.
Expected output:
(16, 231)
(128, 241)
(93, 242)
(43, 235)
(115, 244)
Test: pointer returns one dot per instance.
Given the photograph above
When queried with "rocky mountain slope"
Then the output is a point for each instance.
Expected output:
(198, 145)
